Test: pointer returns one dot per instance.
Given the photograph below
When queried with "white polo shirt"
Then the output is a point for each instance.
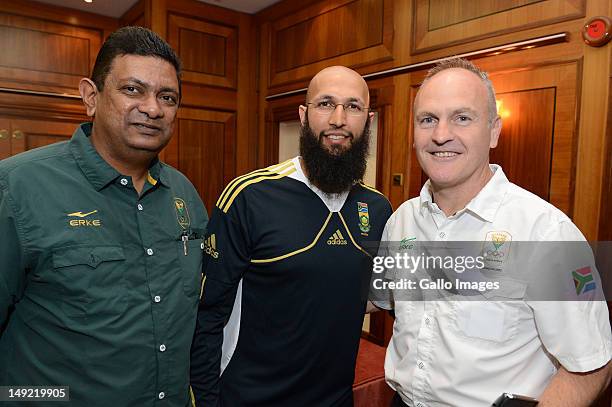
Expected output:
(466, 353)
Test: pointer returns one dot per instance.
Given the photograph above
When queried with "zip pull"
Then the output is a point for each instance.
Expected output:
(185, 238)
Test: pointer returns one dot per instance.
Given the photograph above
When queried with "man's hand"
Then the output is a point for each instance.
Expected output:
(371, 308)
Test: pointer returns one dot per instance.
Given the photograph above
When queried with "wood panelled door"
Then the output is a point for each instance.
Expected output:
(209, 51)
(526, 141)
(19, 135)
(537, 144)
(203, 148)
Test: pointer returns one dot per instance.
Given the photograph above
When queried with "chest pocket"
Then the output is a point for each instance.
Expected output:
(497, 319)
(191, 265)
(91, 279)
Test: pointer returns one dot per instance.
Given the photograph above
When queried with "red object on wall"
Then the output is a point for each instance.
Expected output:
(596, 31)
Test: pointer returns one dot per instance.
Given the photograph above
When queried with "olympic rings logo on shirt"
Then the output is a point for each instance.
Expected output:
(494, 253)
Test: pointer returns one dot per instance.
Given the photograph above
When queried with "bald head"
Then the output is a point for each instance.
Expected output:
(339, 80)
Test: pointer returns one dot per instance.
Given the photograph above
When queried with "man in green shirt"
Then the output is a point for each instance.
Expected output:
(101, 250)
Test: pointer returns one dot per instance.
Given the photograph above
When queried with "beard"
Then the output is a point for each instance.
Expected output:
(336, 169)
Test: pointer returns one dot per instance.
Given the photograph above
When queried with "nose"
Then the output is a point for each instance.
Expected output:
(150, 106)
(442, 133)
(337, 118)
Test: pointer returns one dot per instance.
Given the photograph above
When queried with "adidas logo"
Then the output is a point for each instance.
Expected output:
(336, 239)
(210, 246)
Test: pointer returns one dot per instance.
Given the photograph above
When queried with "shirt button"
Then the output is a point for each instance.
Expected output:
(421, 365)
(124, 181)
(202, 245)
(150, 252)
(442, 234)
(161, 395)
(139, 207)
(427, 321)
(162, 348)
(157, 298)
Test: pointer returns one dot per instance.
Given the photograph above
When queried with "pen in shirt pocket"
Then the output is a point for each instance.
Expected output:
(185, 239)
(186, 236)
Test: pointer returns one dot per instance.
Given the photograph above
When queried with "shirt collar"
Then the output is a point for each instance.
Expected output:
(425, 197)
(99, 172)
(489, 199)
(159, 173)
(485, 204)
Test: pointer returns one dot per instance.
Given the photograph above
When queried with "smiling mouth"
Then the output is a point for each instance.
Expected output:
(337, 136)
(146, 126)
(444, 154)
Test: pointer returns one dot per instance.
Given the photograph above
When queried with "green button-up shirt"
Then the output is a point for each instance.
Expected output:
(98, 285)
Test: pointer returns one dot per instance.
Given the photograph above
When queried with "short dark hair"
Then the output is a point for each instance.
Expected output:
(132, 40)
(456, 62)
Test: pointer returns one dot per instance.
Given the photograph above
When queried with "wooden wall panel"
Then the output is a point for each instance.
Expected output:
(345, 32)
(46, 56)
(45, 51)
(209, 51)
(334, 30)
(5, 138)
(443, 13)
(138, 14)
(484, 18)
(32, 133)
(46, 48)
(605, 223)
(204, 149)
(28, 121)
(203, 44)
(527, 132)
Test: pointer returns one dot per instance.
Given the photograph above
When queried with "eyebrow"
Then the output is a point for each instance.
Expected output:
(453, 113)
(351, 99)
(464, 110)
(147, 85)
(424, 114)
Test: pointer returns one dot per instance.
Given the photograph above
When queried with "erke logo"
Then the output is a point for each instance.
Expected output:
(82, 221)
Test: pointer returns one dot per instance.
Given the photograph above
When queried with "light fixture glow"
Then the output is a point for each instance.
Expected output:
(503, 113)
(88, 1)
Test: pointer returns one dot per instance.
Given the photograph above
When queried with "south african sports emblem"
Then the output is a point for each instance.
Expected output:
(364, 218)
(181, 213)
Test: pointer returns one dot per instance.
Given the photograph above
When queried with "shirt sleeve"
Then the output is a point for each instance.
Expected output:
(12, 273)
(382, 297)
(227, 257)
(570, 311)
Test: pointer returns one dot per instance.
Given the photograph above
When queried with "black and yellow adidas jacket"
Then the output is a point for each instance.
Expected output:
(294, 277)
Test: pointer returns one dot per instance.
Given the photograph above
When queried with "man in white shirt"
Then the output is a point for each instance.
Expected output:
(466, 353)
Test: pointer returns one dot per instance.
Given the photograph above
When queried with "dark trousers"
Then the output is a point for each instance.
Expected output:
(398, 402)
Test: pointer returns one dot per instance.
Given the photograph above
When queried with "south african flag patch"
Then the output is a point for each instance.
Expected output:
(583, 280)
